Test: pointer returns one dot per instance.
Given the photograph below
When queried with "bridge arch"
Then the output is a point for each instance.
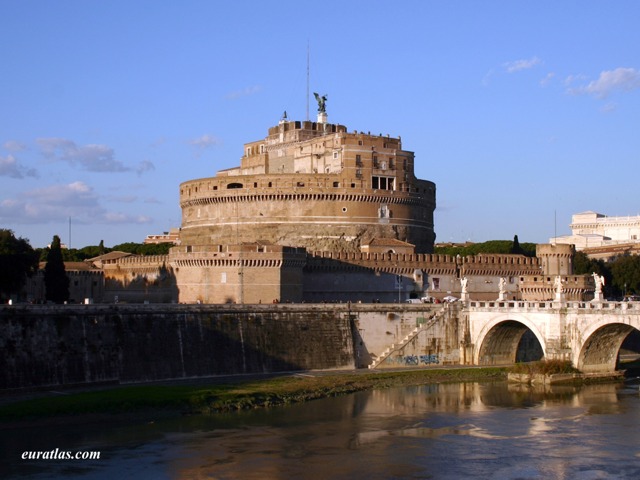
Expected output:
(498, 341)
(599, 352)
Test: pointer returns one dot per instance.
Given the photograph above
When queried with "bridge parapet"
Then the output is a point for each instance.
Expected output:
(529, 306)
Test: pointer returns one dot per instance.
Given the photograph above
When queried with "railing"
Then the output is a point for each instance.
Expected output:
(552, 305)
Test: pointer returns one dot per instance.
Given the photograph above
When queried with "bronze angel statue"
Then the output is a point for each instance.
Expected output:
(322, 100)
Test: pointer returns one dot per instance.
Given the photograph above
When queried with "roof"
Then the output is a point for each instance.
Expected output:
(110, 256)
(389, 242)
(74, 266)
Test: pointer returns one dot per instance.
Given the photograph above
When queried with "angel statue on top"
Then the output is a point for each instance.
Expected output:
(322, 101)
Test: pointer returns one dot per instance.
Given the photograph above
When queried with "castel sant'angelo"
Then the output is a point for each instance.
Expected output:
(318, 213)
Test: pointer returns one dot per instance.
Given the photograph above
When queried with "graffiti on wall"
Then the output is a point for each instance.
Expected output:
(414, 360)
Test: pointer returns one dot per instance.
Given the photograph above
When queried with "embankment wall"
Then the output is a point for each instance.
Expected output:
(49, 345)
(78, 344)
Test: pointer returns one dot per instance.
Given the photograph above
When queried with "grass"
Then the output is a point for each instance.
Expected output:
(544, 367)
(231, 396)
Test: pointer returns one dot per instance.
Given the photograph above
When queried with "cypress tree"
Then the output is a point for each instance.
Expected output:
(516, 248)
(56, 281)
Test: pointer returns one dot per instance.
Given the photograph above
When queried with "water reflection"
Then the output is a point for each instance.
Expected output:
(444, 431)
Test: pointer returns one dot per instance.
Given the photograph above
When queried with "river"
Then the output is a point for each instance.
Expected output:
(440, 431)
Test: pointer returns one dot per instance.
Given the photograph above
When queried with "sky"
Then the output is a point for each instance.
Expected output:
(522, 113)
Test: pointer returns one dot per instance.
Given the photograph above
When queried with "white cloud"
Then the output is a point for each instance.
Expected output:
(9, 167)
(94, 158)
(145, 166)
(519, 65)
(204, 142)
(547, 79)
(14, 146)
(609, 81)
(245, 92)
(57, 203)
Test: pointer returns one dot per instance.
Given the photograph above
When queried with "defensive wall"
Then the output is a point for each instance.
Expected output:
(48, 345)
(312, 185)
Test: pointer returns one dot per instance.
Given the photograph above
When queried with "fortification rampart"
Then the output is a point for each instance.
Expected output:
(83, 344)
(312, 185)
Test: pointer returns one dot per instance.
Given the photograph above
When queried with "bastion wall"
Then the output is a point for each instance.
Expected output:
(50, 345)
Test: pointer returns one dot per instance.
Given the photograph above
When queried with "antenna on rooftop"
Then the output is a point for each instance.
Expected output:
(307, 80)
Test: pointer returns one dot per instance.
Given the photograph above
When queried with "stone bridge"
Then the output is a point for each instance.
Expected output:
(589, 334)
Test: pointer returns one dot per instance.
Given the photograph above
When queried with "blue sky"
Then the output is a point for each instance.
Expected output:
(521, 112)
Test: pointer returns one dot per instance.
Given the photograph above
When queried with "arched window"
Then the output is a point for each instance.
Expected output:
(234, 185)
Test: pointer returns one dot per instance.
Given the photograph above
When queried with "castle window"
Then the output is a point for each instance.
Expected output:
(234, 185)
(335, 154)
(255, 184)
(359, 142)
(336, 184)
(382, 183)
(270, 184)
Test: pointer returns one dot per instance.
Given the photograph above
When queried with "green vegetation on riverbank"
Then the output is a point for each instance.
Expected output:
(219, 397)
(544, 367)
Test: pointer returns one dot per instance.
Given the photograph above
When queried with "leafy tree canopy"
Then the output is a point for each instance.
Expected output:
(18, 260)
(490, 247)
(144, 248)
(625, 272)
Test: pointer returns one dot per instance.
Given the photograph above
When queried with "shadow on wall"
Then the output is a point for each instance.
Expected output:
(159, 286)
(115, 344)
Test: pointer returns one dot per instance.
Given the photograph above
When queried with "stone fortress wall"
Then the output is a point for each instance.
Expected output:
(315, 214)
(316, 186)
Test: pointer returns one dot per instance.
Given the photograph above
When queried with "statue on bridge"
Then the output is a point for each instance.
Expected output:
(502, 294)
(463, 284)
(464, 294)
(558, 284)
(599, 282)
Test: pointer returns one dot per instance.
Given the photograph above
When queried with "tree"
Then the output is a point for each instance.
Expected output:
(56, 282)
(18, 260)
(516, 249)
(626, 274)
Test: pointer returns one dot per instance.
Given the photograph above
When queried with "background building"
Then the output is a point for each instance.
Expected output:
(603, 237)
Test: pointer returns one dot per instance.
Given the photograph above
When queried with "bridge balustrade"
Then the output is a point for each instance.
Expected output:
(552, 305)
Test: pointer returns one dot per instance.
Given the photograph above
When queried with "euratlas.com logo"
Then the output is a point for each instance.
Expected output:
(58, 454)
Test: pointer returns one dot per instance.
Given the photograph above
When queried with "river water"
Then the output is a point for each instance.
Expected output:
(441, 431)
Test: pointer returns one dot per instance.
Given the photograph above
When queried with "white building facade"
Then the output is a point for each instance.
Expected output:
(592, 230)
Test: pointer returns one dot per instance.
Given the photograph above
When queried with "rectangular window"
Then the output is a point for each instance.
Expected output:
(382, 183)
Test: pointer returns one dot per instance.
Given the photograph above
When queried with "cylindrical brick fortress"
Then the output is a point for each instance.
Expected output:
(312, 185)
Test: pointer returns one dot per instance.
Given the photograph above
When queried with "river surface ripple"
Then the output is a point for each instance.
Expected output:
(441, 431)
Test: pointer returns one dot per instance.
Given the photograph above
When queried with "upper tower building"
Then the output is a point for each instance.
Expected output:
(314, 185)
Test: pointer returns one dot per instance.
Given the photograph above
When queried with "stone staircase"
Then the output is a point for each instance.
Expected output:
(433, 319)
